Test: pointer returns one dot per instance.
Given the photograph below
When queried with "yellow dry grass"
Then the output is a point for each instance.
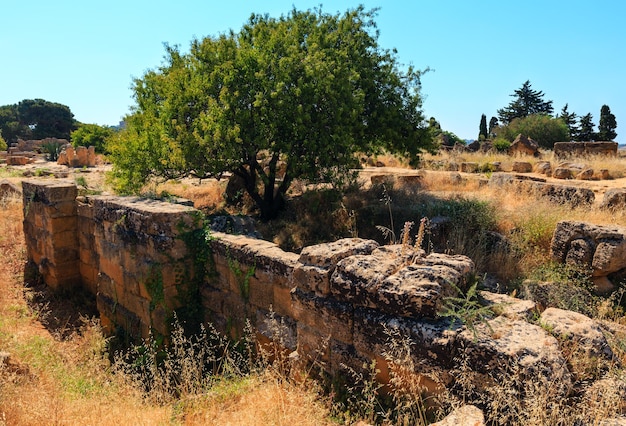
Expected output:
(69, 381)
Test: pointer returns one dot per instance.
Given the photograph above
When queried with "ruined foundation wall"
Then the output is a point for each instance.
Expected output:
(330, 303)
(50, 224)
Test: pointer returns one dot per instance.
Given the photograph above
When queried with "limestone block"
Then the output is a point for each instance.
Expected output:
(508, 306)
(49, 192)
(543, 167)
(507, 345)
(8, 189)
(89, 277)
(469, 167)
(523, 145)
(430, 340)
(614, 198)
(312, 278)
(562, 173)
(560, 194)
(261, 293)
(521, 167)
(409, 180)
(328, 254)
(329, 316)
(586, 174)
(581, 329)
(211, 299)
(392, 283)
(62, 224)
(578, 241)
(282, 301)
(467, 415)
(18, 160)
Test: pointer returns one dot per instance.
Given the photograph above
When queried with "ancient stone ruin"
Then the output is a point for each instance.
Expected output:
(77, 157)
(581, 149)
(337, 303)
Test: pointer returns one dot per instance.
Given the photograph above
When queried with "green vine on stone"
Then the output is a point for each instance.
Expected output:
(242, 276)
(189, 281)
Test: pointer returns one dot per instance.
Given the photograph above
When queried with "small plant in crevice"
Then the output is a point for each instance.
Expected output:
(465, 309)
(388, 233)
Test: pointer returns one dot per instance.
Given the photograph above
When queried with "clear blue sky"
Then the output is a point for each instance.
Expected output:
(84, 54)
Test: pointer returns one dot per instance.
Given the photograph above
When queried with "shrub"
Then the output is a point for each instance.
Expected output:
(52, 149)
(501, 144)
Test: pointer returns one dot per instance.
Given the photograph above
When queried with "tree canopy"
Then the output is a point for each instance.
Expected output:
(607, 124)
(482, 128)
(92, 135)
(542, 128)
(36, 119)
(527, 102)
(585, 129)
(286, 98)
(570, 120)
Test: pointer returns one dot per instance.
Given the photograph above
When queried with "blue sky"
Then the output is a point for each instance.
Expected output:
(84, 54)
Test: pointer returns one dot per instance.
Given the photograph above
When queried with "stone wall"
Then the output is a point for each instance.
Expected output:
(77, 157)
(331, 300)
(50, 224)
(578, 149)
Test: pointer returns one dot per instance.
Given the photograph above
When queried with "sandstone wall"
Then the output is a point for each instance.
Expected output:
(50, 224)
(333, 302)
(338, 305)
(565, 149)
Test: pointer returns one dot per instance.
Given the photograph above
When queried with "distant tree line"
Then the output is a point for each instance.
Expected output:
(529, 114)
(36, 119)
(41, 119)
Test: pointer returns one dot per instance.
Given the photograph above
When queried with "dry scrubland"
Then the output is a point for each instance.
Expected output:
(60, 370)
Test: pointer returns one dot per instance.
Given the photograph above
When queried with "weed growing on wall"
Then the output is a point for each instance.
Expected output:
(189, 281)
(242, 275)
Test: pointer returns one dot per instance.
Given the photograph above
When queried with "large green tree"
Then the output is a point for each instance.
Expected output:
(542, 128)
(570, 119)
(585, 129)
(482, 128)
(10, 126)
(493, 123)
(92, 135)
(286, 98)
(36, 119)
(527, 102)
(606, 125)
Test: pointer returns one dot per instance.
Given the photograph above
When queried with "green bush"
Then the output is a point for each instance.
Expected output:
(501, 144)
(52, 150)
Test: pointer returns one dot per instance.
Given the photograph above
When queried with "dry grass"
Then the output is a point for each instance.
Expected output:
(55, 377)
(206, 195)
(615, 165)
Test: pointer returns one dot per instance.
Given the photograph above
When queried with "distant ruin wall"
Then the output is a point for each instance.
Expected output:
(332, 302)
(578, 149)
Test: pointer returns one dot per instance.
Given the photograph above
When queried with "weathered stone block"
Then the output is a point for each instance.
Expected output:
(282, 301)
(330, 317)
(312, 278)
(521, 167)
(568, 325)
(328, 254)
(261, 293)
(506, 344)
